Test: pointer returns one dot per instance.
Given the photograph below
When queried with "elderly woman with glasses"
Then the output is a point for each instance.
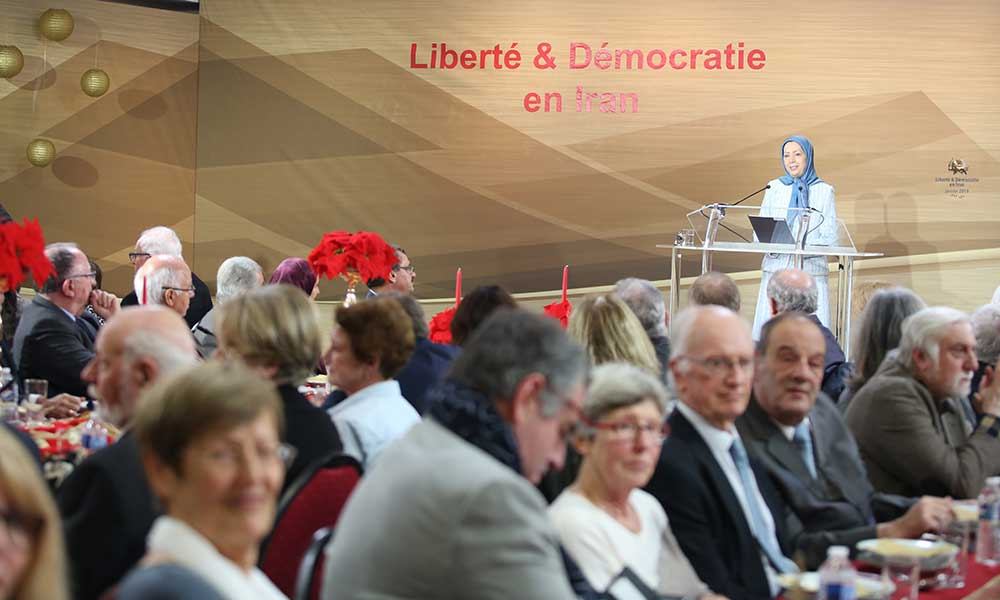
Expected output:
(31, 545)
(606, 522)
(211, 446)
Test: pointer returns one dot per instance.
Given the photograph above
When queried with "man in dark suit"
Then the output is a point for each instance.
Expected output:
(726, 516)
(49, 342)
(799, 436)
(106, 503)
(401, 278)
(163, 240)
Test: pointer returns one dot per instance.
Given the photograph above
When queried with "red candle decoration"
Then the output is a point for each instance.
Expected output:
(562, 309)
(440, 327)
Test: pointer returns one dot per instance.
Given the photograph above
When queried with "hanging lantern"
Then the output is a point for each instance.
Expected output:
(11, 61)
(95, 82)
(41, 152)
(56, 24)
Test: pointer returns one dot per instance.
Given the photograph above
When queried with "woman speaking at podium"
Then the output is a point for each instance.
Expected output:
(800, 187)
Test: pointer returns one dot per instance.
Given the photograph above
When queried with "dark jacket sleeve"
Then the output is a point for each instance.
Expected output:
(64, 358)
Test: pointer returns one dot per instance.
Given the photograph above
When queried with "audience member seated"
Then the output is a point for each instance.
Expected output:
(801, 439)
(237, 275)
(89, 315)
(401, 279)
(908, 420)
(475, 308)
(106, 504)
(51, 343)
(647, 303)
(371, 342)
(611, 332)
(297, 272)
(863, 292)
(604, 520)
(878, 332)
(449, 511)
(211, 444)
(728, 518)
(986, 328)
(32, 563)
(428, 363)
(165, 280)
(715, 289)
(795, 290)
(163, 240)
(275, 330)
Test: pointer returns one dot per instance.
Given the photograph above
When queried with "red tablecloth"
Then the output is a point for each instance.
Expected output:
(978, 576)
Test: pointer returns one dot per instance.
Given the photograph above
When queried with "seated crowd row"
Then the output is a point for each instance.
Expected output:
(525, 461)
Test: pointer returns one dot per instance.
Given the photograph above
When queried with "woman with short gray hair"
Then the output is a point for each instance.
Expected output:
(605, 520)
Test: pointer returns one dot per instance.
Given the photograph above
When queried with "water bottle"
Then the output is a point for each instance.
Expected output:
(94, 436)
(988, 536)
(837, 576)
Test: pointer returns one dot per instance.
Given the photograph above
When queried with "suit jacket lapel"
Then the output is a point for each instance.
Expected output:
(781, 449)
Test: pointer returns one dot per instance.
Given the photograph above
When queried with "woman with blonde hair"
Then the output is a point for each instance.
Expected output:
(611, 332)
(276, 332)
(32, 560)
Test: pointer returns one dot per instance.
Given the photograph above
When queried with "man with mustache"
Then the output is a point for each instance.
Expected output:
(912, 432)
(797, 433)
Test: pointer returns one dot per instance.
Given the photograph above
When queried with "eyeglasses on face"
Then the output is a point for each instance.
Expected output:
(133, 257)
(405, 268)
(189, 291)
(230, 456)
(90, 274)
(722, 365)
(627, 431)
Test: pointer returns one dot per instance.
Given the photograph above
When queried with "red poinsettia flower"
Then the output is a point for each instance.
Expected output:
(22, 248)
(562, 309)
(440, 326)
(363, 254)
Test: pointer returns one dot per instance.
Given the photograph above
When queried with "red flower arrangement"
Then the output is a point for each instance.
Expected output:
(562, 309)
(440, 327)
(360, 256)
(22, 248)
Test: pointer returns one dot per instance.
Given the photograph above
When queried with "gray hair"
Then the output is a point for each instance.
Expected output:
(682, 330)
(617, 385)
(236, 275)
(159, 240)
(923, 331)
(156, 277)
(512, 344)
(413, 310)
(646, 302)
(714, 288)
(62, 255)
(986, 326)
(169, 356)
(791, 297)
(880, 329)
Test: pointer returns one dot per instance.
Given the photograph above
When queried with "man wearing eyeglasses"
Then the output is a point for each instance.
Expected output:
(401, 279)
(797, 433)
(727, 517)
(165, 280)
(49, 342)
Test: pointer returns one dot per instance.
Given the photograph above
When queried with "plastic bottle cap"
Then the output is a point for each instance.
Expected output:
(838, 552)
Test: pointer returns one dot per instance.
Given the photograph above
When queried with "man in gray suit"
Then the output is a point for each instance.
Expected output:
(908, 418)
(799, 436)
(449, 511)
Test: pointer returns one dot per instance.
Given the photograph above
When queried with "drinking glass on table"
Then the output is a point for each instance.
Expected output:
(36, 391)
(955, 573)
(904, 573)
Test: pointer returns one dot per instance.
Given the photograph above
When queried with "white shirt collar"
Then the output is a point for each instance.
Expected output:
(718, 440)
(389, 387)
(789, 431)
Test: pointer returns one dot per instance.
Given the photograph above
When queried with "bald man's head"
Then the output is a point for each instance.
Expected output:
(792, 290)
(133, 349)
(165, 279)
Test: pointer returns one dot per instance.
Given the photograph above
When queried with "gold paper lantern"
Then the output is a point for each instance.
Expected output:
(56, 24)
(41, 152)
(11, 61)
(95, 82)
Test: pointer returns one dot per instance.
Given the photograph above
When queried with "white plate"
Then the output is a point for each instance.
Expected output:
(932, 555)
(865, 586)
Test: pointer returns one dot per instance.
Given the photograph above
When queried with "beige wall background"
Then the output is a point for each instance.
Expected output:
(255, 126)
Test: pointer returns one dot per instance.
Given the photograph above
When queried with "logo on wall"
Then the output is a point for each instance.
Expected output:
(959, 184)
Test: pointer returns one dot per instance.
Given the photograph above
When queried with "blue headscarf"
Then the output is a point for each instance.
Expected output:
(800, 199)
